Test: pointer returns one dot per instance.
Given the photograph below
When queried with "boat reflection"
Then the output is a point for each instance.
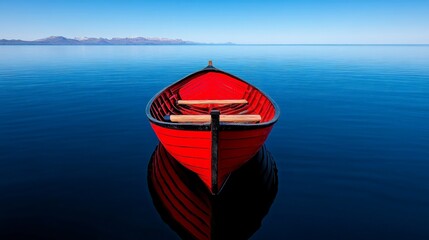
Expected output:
(189, 208)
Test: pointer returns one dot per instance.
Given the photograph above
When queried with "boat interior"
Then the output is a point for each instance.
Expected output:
(193, 99)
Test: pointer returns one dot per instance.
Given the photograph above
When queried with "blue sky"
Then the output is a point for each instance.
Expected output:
(269, 21)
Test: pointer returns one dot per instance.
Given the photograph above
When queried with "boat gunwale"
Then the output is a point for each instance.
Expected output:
(207, 126)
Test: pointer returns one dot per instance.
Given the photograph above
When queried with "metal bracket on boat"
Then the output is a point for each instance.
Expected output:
(210, 65)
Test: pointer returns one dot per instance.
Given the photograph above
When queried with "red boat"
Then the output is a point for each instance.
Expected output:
(212, 122)
(186, 205)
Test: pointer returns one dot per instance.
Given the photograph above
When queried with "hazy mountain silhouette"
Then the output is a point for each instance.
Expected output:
(60, 40)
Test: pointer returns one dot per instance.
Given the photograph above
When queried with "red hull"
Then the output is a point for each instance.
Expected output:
(212, 155)
(192, 149)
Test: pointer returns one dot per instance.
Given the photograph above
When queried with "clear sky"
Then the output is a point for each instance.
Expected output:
(250, 21)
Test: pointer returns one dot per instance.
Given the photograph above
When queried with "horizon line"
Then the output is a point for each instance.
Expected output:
(226, 44)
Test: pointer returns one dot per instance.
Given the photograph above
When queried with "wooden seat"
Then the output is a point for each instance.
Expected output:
(207, 118)
(212, 101)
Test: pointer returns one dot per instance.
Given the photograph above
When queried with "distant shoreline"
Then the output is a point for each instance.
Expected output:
(60, 40)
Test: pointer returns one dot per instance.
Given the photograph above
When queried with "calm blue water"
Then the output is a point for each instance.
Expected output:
(351, 146)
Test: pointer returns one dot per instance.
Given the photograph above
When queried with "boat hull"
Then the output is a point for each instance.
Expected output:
(193, 150)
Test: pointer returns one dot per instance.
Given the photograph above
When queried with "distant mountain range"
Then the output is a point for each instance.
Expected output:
(59, 40)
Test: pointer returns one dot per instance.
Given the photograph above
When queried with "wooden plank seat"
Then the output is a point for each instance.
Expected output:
(212, 101)
(207, 118)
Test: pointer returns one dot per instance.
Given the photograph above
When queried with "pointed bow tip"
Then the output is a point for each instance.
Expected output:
(210, 65)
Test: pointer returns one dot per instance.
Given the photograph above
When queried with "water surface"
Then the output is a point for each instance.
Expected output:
(351, 145)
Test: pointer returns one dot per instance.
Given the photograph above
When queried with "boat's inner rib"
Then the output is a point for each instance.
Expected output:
(212, 101)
